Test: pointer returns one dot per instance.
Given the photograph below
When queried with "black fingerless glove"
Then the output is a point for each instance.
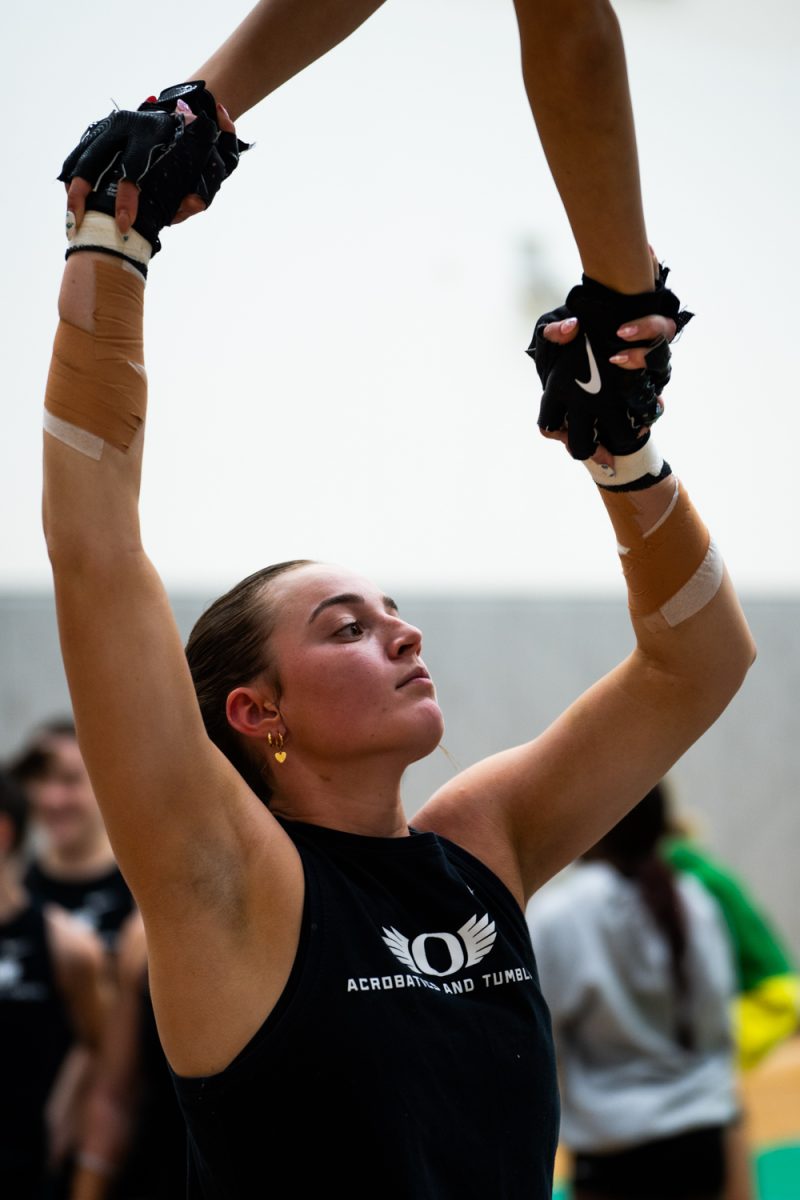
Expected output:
(154, 148)
(224, 157)
(594, 400)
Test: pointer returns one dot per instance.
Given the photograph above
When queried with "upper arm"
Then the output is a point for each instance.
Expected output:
(156, 774)
(79, 968)
(530, 810)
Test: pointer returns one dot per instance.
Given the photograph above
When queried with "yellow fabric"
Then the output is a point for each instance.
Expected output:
(764, 1016)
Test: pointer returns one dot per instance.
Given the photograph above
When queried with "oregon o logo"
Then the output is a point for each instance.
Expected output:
(473, 942)
(457, 955)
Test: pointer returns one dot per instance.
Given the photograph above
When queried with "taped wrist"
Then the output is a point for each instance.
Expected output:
(671, 565)
(100, 233)
(97, 386)
(631, 472)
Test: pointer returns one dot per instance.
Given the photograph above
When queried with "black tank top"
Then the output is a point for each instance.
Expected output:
(34, 1037)
(101, 902)
(410, 1056)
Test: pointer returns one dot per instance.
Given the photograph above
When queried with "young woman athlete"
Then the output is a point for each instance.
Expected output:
(347, 1004)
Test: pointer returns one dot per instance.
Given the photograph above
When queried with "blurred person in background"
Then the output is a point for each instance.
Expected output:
(73, 867)
(73, 863)
(765, 1007)
(635, 964)
(51, 996)
(133, 1145)
(767, 982)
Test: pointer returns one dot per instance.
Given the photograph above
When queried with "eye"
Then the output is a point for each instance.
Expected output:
(352, 629)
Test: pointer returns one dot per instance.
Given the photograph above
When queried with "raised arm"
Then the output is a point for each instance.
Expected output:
(277, 40)
(573, 63)
(200, 851)
(529, 811)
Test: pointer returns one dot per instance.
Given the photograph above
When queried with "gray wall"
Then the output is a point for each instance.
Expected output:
(504, 669)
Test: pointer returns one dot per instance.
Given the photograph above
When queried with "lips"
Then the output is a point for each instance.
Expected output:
(417, 673)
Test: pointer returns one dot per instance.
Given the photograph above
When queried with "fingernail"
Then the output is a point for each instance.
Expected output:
(224, 110)
(628, 331)
(183, 107)
(71, 224)
(568, 324)
(619, 358)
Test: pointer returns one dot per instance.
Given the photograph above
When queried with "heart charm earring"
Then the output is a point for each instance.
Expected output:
(276, 740)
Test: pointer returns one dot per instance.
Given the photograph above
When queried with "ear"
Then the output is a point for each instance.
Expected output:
(253, 714)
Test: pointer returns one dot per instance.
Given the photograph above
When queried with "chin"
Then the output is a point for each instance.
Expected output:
(428, 737)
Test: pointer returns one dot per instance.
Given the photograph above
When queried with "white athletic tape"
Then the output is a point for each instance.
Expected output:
(659, 562)
(667, 513)
(664, 516)
(78, 439)
(698, 592)
(99, 231)
(627, 467)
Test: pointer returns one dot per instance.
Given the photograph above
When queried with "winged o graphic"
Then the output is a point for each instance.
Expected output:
(478, 937)
(399, 947)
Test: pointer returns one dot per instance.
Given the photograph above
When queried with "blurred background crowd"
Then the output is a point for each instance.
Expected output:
(675, 1002)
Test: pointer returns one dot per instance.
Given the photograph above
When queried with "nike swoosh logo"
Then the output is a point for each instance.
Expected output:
(592, 384)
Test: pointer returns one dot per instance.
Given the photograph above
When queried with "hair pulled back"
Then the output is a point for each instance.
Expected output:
(632, 848)
(227, 648)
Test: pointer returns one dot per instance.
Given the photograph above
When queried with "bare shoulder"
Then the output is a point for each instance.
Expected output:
(75, 948)
(466, 810)
(71, 941)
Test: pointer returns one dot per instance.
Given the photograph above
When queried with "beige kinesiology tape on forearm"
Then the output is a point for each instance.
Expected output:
(671, 565)
(97, 387)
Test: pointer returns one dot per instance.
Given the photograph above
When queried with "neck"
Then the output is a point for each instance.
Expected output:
(363, 798)
(78, 862)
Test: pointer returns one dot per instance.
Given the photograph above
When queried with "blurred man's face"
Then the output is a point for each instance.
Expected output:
(62, 801)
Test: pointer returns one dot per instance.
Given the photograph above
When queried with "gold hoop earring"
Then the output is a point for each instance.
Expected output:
(279, 754)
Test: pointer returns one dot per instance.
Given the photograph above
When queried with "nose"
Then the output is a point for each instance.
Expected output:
(406, 640)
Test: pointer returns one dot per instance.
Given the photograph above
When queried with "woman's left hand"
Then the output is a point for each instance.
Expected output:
(649, 353)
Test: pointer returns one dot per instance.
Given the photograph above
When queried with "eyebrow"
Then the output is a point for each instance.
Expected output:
(348, 598)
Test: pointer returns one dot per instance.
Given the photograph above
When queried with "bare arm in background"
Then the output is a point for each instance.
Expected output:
(116, 1087)
(573, 64)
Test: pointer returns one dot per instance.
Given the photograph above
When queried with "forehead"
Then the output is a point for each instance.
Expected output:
(298, 592)
(63, 753)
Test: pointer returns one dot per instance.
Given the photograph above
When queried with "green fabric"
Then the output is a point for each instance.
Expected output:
(758, 953)
(778, 1173)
